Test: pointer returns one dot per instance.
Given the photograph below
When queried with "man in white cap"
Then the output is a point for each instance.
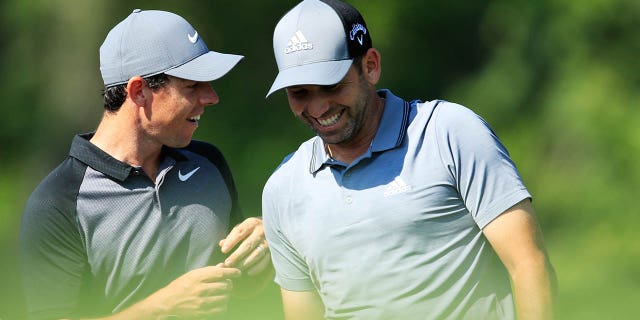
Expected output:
(136, 222)
(396, 209)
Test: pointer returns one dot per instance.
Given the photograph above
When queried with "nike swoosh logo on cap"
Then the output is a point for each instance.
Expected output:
(193, 38)
(185, 177)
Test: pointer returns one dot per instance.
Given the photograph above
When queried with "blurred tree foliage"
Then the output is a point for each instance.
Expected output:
(559, 81)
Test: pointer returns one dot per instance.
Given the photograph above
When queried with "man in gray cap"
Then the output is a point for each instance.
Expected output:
(136, 222)
(396, 209)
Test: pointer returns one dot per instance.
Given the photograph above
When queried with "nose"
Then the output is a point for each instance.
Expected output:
(208, 95)
(318, 106)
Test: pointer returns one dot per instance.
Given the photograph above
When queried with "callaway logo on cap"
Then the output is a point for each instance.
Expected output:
(150, 42)
(316, 41)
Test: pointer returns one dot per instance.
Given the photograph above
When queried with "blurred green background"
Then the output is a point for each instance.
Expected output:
(559, 81)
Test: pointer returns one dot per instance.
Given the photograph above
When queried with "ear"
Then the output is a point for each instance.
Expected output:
(371, 66)
(135, 90)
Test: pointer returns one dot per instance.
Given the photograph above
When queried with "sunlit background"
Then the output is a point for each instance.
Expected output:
(559, 81)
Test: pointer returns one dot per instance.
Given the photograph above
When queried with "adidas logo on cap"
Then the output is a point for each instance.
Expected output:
(297, 43)
(316, 41)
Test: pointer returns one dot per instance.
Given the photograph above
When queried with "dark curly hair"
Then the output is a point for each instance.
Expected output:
(113, 97)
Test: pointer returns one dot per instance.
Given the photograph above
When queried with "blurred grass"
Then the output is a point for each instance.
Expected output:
(598, 272)
(14, 189)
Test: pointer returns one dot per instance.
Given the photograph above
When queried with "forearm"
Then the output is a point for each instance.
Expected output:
(535, 286)
(199, 293)
(150, 308)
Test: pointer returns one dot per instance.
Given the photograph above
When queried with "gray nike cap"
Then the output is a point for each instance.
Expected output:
(316, 41)
(151, 42)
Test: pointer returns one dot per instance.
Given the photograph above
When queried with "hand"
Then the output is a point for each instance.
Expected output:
(251, 252)
(197, 294)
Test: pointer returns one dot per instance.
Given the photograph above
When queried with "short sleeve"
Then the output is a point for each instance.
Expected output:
(52, 253)
(292, 272)
(485, 176)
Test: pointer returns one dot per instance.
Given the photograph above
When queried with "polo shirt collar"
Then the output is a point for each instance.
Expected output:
(89, 154)
(390, 134)
(394, 123)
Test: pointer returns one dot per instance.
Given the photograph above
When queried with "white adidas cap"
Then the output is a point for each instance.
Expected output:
(315, 43)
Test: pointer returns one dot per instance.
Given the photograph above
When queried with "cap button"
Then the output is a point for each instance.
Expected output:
(136, 10)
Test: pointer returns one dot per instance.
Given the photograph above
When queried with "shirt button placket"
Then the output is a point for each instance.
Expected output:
(348, 199)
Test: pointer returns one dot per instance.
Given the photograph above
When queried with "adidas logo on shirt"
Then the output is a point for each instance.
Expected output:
(297, 43)
(396, 186)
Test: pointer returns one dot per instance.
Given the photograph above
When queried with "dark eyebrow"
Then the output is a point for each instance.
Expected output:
(336, 84)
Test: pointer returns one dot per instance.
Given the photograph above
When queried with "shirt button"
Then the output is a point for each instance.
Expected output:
(348, 199)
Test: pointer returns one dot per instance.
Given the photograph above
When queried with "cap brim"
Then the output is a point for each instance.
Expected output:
(319, 73)
(207, 67)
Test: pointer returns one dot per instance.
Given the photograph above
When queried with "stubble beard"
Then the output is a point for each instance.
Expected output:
(357, 116)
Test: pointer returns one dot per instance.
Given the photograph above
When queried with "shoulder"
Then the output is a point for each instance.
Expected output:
(453, 114)
(455, 120)
(58, 190)
(295, 163)
(50, 210)
(205, 149)
(209, 152)
(300, 157)
(198, 151)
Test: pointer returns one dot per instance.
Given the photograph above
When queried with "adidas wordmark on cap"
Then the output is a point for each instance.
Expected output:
(316, 41)
(151, 42)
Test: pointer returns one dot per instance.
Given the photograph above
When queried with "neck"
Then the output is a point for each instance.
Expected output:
(348, 151)
(345, 153)
(125, 143)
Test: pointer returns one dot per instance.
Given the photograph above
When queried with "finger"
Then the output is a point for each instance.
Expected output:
(237, 234)
(260, 253)
(243, 251)
(260, 266)
(217, 273)
(216, 311)
(222, 287)
(230, 273)
(240, 232)
(215, 305)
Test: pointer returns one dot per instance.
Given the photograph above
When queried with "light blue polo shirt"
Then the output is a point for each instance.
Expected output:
(397, 233)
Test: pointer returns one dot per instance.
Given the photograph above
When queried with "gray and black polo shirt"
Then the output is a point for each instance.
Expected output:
(97, 235)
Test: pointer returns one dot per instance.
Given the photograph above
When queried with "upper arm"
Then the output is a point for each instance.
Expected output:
(287, 247)
(52, 252)
(302, 305)
(517, 239)
(479, 164)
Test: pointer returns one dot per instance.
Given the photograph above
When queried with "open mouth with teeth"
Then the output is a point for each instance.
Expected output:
(327, 122)
(194, 119)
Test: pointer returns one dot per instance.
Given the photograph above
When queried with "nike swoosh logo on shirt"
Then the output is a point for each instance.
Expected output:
(193, 38)
(185, 177)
